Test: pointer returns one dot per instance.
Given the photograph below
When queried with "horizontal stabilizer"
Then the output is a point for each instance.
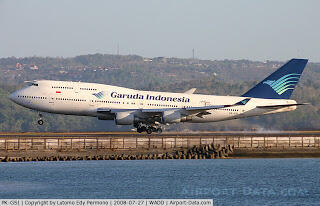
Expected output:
(241, 103)
(280, 106)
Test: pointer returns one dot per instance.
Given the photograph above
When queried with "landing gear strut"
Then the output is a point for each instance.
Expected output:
(148, 128)
(159, 130)
(40, 121)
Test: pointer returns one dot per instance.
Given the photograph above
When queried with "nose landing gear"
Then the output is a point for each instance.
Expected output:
(40, 121)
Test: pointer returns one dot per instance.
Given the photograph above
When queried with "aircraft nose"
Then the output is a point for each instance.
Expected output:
(13, 96)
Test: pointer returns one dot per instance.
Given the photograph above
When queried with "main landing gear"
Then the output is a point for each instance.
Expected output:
(40, 121)
(148, 128)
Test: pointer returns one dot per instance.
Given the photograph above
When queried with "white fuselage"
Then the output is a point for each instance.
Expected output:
(87, 99)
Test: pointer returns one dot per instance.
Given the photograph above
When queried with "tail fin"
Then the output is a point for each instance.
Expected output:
(281, 83)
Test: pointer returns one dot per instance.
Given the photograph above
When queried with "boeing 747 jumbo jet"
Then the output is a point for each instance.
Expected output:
(147, 110)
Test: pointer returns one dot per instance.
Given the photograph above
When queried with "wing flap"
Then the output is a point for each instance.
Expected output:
(157, 110)
(207, 107)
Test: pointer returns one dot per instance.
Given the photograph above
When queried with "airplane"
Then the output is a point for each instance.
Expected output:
(147, 111)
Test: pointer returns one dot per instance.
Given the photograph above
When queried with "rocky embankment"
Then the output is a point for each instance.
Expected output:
(207, 151)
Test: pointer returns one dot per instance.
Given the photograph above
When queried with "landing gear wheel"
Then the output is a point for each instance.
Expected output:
(159, 130)
(149, 130)
(139, 129)
(40, 122)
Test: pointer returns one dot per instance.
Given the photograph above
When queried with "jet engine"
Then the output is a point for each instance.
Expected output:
(124, 118)
(171, 116)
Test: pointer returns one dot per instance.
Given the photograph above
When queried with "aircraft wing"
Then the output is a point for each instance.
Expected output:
(190, 91)
(103, 110)
(195, 109)
(199, 109)
(243, 102)
(207, 107)
(157, 110)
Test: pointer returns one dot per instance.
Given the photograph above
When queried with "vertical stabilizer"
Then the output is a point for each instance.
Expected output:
(281, 83)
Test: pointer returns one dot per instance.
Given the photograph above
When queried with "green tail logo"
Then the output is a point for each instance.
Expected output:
(283, 84)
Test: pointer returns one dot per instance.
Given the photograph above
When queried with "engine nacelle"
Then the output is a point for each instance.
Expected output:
(171, 116)
(106, 117)
(124, 118)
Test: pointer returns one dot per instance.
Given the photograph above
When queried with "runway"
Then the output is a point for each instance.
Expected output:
(165, 134)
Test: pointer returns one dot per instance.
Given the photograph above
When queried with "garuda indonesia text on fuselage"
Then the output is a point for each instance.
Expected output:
(147, 110)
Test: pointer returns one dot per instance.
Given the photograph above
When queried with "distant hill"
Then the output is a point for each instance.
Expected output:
(136, 71)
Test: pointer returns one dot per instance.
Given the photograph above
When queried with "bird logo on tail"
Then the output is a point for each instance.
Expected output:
(283, 84)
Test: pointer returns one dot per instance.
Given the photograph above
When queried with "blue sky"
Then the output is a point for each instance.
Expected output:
(246, 29)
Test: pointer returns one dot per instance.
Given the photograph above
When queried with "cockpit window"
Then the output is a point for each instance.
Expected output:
(32, 84)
